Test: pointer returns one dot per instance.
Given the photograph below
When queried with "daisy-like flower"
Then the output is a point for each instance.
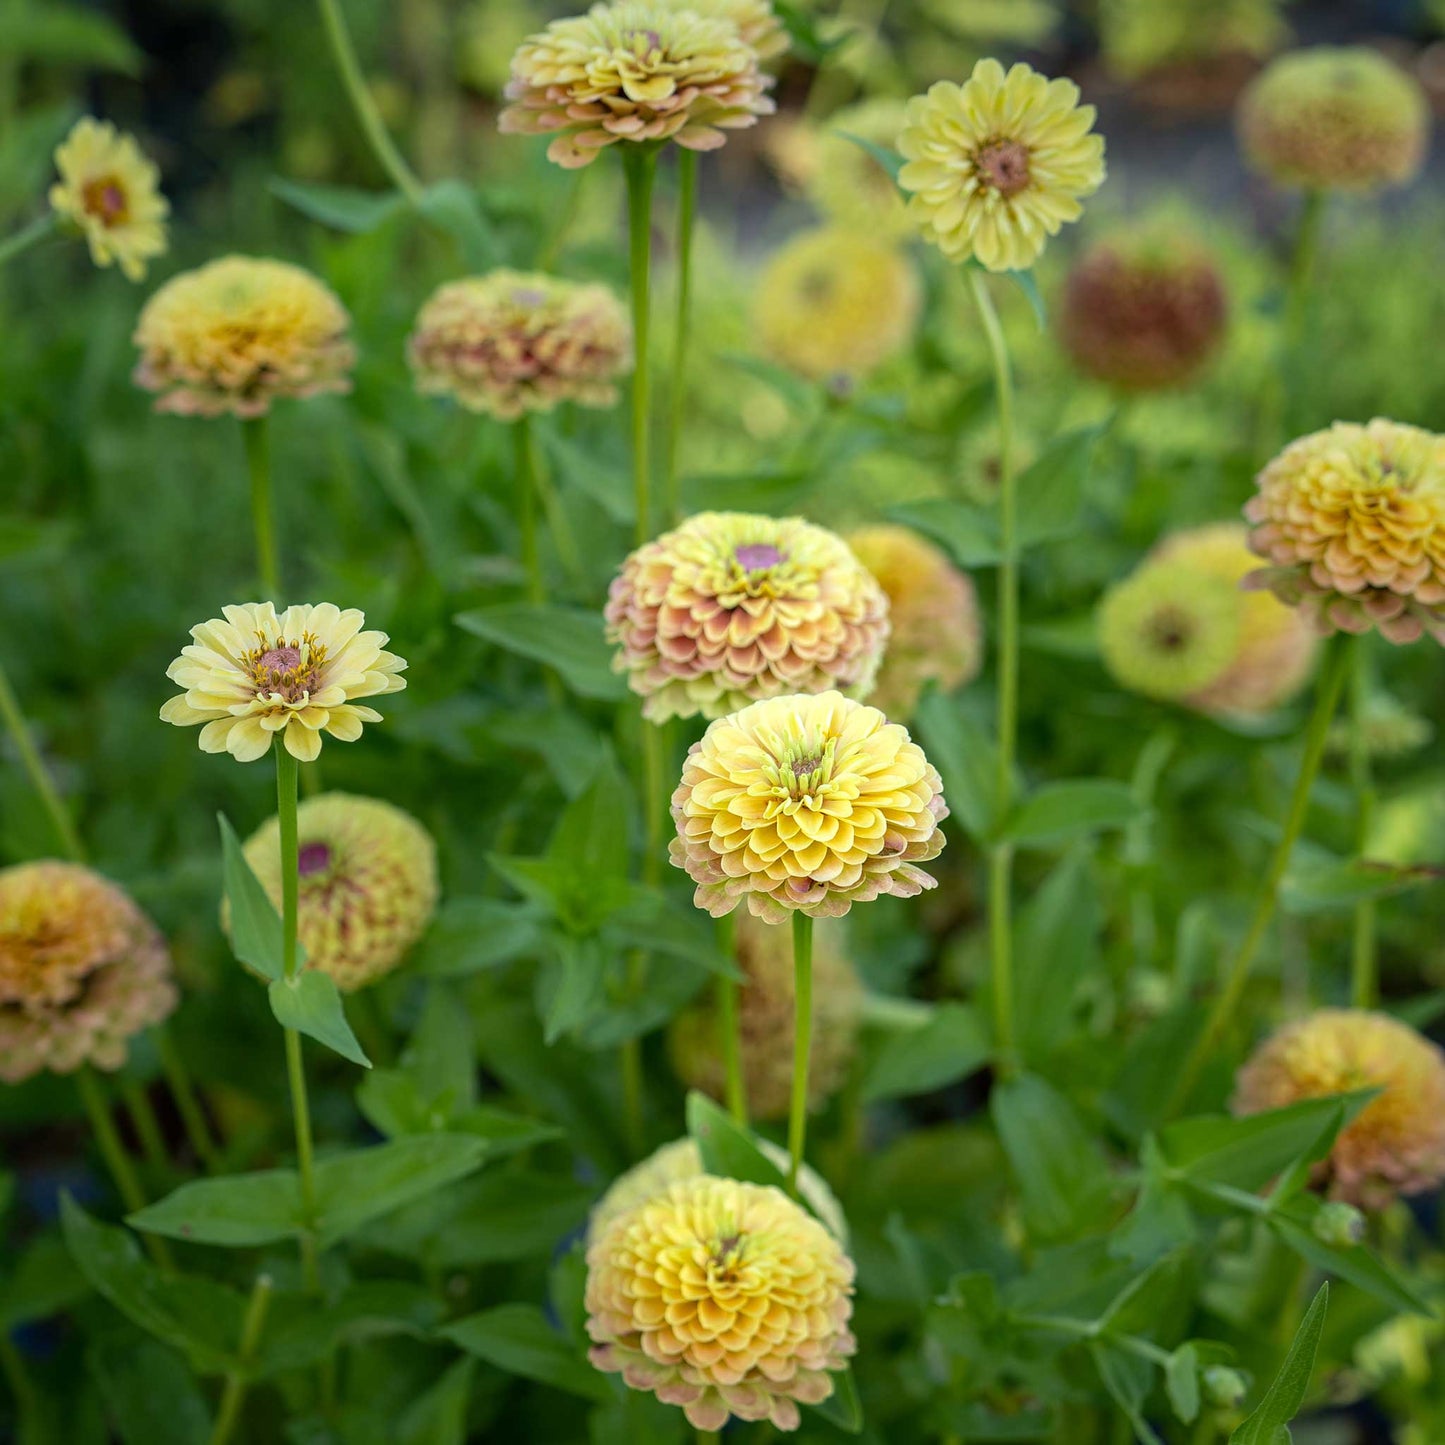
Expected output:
(931, 604)
(512, 342)
(236, 334)
(1352, 523)
(1396, 1144)
(109, 190)
(368, 883)
(636, 70)
(836, 304)
(251, 675)
(82, 970)
(807, 804)
(722, 1297)
(846, 183)
(996, 165)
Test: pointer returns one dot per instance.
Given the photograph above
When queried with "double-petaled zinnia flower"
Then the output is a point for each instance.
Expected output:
(722, 1297)
(236, 334)
(1335, 119)
(368, 883)
(756, 21)
(731, 607)
(1396, 1143)
(110, 191)
(996, 165)
(807, 804)
(512, 342)
(251, 676)
(82, 970)
(636, 70)
(1352, 523)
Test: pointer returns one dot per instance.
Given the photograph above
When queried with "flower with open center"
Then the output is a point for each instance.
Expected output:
(723, 1297)
(251, 675)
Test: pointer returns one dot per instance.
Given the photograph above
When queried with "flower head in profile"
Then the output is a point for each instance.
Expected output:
(635, 70)
(1396, 1143)
(252, 675)
(1352, 523)
(238, 333)
(847, 184)
(723, 1297)
(368, 884)
(996, 165)
(806, 804)
(82, 970)
(110, 191)
(513, 342)
(730, 607)
(1332, 118)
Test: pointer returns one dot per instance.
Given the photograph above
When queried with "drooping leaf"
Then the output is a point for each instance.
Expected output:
(518, 1339)
(889, 160)
(726, 1147)
(565, 638)
(310, 1003)
(1269, 1424)
(343, 208)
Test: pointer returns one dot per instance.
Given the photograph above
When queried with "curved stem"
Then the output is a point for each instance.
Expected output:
(802, 1044)
(1364, 963)
(36, 770)
(234, 1393)
(686, 214)
(640, 164)
(27, 236)
(735, 1092)
(257, 434)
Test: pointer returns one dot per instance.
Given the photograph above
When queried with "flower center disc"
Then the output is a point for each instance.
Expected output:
(757, 556)
(105, 199)
(280, 659)
(1005, 165)
(313, 858)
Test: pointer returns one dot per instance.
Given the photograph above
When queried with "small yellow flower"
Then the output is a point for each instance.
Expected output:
(724, 1298)
(251, 675)
(998, 164)
(110, 192)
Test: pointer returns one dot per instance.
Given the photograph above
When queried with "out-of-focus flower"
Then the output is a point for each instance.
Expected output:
(512, 342)
(756, 22)
(110, 191)
(722, 1297)
(931, 604)
(1137, 36)
(996, 165)
(1352, 521)
(731, 607)
(82, 970)
(1390, 730)
(636, 70)
(847, 184)
(834, 303)
(1396, 1144)
(368, 883)
(250, 675)
(807, 804)
(765, 1022)
(236, 334)
(1335, 119)
(1144, 311)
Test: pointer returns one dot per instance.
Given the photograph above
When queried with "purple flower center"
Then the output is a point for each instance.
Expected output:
(528, 296)
(757, 556)
(280, 659)
(803, 766)
(313, 858)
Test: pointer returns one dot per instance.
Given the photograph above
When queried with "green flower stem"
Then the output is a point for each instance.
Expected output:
(383, 147)
(1298, 282)
(1364, 965)
(735, 1093)
(640, 164)
(188, 1106)
(802, 1043)
(1000, 857)
(526, 484)
(257, 435)
(233, 1394)
(558, 522)
(35, 770)
(27, 236)
(686, 214)
(143, 1120)
(22, 1388)
(1331, 682)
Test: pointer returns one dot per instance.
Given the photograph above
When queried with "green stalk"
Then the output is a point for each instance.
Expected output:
(257, 434)
(526, 485)
(187, 1104)
(233, 1395)
(22, 1387)
(736, 1093)
(640, 165)
(36, 771)
(27, 236)
(557, 521)
(802, 1044)
(686, 214)
(1296, 308)
(147, 1126)
(1364, 963)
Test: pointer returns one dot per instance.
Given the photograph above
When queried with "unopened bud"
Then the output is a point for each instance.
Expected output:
(1224, 1386)
(1339, 1224)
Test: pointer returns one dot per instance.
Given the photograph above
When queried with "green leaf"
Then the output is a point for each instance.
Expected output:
(517, 1338)
(303, 1331)
(39, 1283)
(591, 835)
(966, 759)
(343, 208)
(1269, 1424)
(472, 935)
(1128, 1380)
(255, 925)
(52, 33)
(1181, 1382)
(150, 1395)
(726, 1147)
(572, 987)
(454, 207)
(1026, 283)
(238, 1211)
(1354, 1263)
(969, 534)
(310, 1003)
(1051, 491)
(1339, 885)
(889, 160)
(952, 1044)
(565, 638)
(806, 40)
(843, 1408)
(1059, 811)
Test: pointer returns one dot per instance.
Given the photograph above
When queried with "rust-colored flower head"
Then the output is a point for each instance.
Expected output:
(722, 1297)
(1144, 312)
(368, 883)
(512, 342)
(1396, 1144)
(636, 70)
(731, 607)
(82, 970)
(1335, 119)
(1352, 523)
(931, 605)
(765, 1022)
(806, 804)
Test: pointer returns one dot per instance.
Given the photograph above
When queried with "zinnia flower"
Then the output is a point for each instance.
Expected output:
(82, 970)
(1352, 520)
(846, 183)
(998, 164)
(936, 637)
(834, 303)
(110, 192)
(806, 804)
(730, 607)
(1335, 119)
(235, 335)
(250, 676)
(368, 883)
(724, 1298)
(513, 342)
(757, 23)
(1396, 1144)
(636, 70)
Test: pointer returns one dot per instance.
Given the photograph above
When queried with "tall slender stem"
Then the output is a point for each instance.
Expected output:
(563, 538)
(686, 214)
(735, 1091)
(640, 164)
(257, 434)
(188, 1106)
(526, 485)
(802, 1044)
(233, 1394)
(1364, 965)
(143, 1120)
(1272, 412)
(36, 770)
(27, 236)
